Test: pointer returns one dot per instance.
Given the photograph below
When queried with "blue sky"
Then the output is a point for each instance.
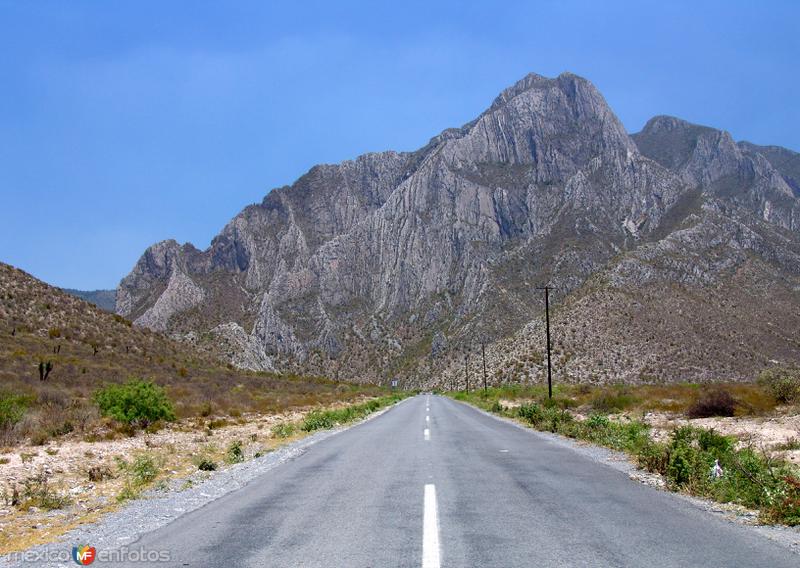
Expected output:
(125, 123)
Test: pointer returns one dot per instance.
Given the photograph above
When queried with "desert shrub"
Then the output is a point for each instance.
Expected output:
(136, 403)
(206, 409)
(283, 430)
(12, 408)
(140, 472)
(323, 419)
(715, 402)
(790, 444)
(206, 464)
(680, 465)
(786, 507)
(99, 473)
(319, 420)
(597, 421)
(714, 443)
(653, 457)
(531, 412)
(611, 400)
(496, 407)
(235, 453)
(37, 492)
(782, 384)
(217, 423)
(144, 469)
(544, 417)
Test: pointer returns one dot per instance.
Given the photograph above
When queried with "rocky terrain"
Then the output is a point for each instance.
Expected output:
(674, 254)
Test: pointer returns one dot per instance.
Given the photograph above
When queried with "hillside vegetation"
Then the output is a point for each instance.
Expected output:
(57, 351)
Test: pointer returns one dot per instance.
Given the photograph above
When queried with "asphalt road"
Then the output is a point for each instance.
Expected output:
(472, 491)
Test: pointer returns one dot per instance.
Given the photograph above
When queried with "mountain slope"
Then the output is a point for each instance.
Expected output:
(104, 299)
(392, 264)
(88, 348)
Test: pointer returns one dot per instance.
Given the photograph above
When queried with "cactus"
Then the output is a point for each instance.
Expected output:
(45, 369)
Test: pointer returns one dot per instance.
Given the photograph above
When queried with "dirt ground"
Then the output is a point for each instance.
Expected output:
(67, 462)
(767, 433)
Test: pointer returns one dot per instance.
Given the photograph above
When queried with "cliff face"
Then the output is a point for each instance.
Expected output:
(391, 264)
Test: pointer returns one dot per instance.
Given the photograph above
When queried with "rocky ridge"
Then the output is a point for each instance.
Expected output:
(397, 264)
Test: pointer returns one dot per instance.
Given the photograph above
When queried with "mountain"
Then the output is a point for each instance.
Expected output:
(397, 264)
(103, 299)
(785, 161)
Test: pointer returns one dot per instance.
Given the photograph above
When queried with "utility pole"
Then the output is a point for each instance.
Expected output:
(547, 327)
(483, 354)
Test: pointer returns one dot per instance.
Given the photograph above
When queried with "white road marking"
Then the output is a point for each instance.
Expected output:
(427, 419)
(503, 451)
(427, 434)
(430, 529)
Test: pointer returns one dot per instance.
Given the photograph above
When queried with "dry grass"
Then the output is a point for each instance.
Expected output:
(89, 348)
(751, 399)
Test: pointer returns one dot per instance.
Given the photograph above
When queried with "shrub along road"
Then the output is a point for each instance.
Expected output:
(433, 482)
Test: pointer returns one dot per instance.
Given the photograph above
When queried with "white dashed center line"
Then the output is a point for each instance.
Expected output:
(430, 529)
(427, 434)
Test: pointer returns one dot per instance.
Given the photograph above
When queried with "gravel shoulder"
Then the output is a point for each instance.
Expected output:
(786, 536)
(160, 506)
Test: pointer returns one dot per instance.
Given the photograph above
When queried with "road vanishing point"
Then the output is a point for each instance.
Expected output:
(433, 482)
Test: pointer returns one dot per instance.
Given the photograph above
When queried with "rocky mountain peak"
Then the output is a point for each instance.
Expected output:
(711, 161)
(390, 263)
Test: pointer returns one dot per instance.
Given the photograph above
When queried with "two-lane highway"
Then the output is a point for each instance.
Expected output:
(433, 482)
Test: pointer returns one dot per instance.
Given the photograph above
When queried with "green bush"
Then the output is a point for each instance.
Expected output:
(143, 469)
(37, 492)
(680, 465)
(206, 464)
(714, 443)
(549, 418)
(653, 457)
(12, 409)
(140, 472)
(782, 384)
(283, 430)
(235, 453)
(136, 403)
(597, 421)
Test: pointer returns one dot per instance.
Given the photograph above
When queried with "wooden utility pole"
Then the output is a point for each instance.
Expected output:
(547, 328)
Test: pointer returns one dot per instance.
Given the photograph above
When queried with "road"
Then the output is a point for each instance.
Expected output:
(433, 482)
